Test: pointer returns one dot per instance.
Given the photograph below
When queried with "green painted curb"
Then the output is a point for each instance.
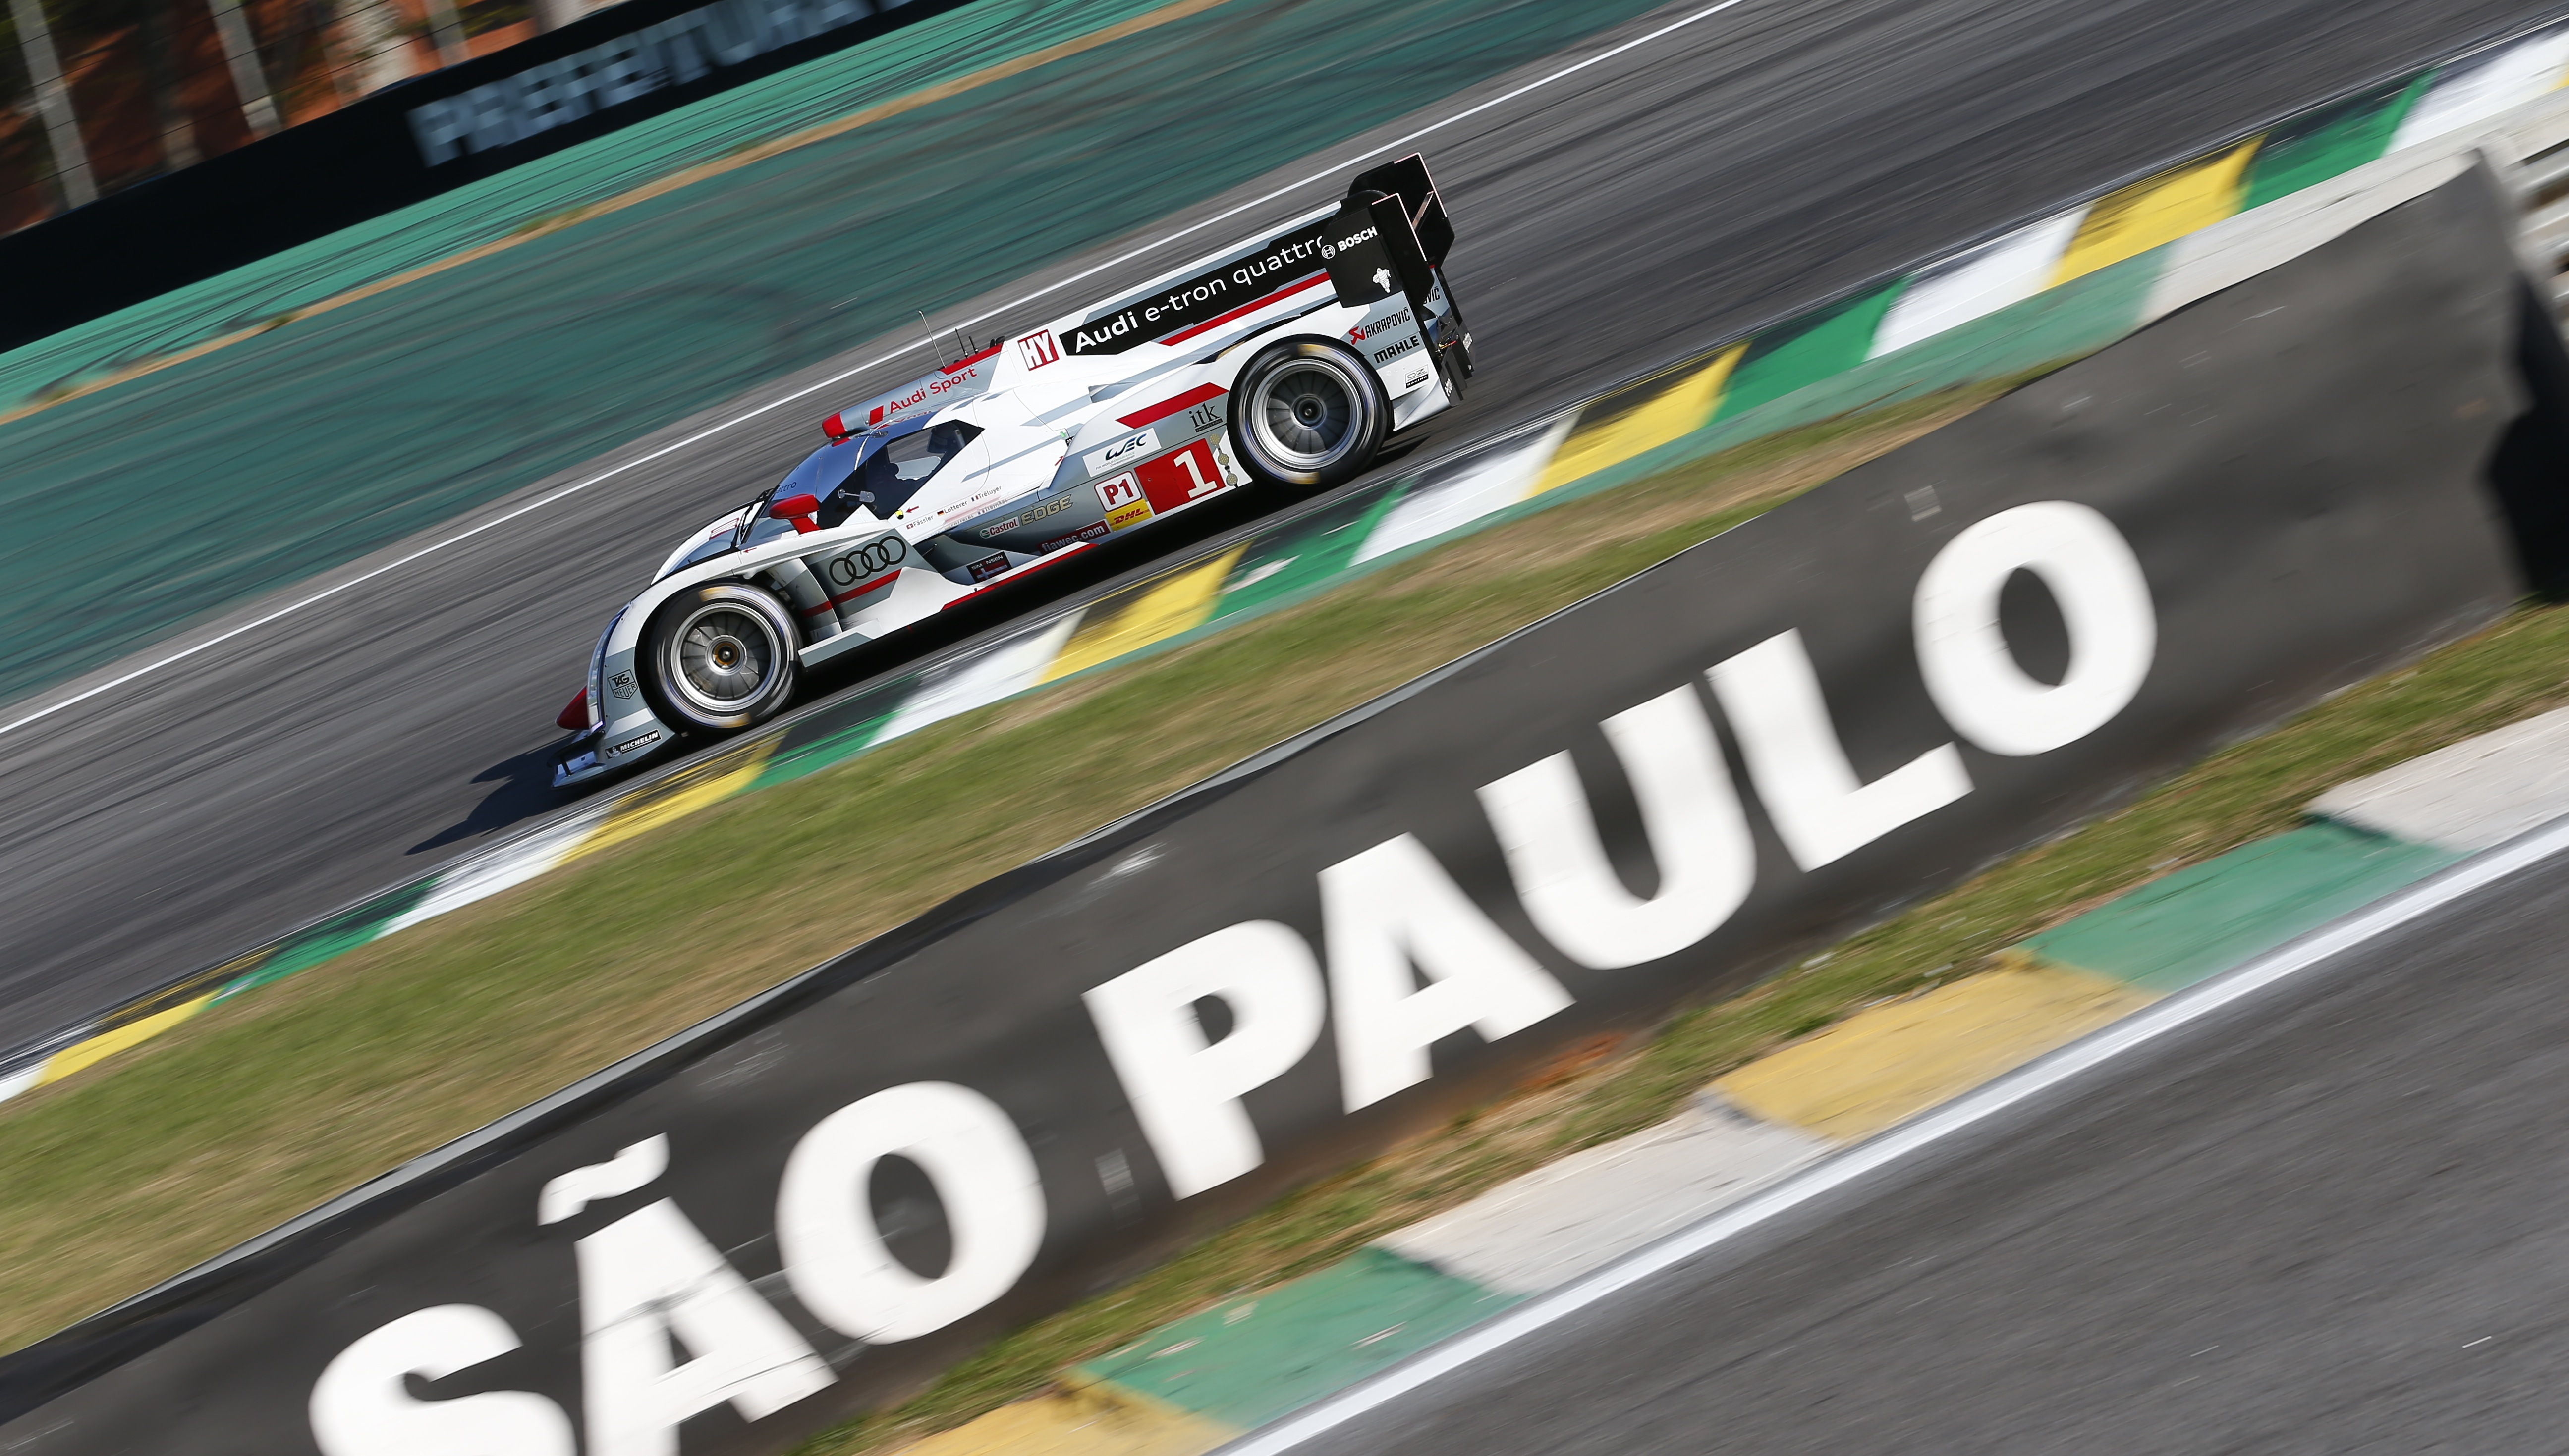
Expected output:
(1247, 1361)
(2329, 143)
(344, 931)
(1808, 349)
(2200, 922)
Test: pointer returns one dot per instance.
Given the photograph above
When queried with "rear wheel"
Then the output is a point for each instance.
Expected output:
(1308, 413)
(719, 657)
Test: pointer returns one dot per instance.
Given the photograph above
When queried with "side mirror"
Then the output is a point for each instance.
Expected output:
(798, 509)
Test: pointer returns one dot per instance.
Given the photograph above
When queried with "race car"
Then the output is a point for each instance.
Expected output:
(1278, 365)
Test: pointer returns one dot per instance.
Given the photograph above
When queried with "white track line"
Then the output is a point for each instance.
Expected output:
(710, 430)
(2132, 1033)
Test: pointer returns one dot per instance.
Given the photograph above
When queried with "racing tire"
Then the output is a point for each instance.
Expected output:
(1307, 412)
(718, 658)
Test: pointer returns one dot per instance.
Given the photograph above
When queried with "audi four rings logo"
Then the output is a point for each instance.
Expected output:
(874, 555)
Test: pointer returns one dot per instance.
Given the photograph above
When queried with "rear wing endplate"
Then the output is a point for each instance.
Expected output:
(1388, 236)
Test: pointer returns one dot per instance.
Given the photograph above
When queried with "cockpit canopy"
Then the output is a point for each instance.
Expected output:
(878, 473)
(874, 472)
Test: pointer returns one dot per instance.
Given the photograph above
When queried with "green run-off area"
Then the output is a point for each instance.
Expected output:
(275, 458)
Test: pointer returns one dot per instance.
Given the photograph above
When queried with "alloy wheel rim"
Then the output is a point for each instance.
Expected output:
(723, 656)
(1307, 414)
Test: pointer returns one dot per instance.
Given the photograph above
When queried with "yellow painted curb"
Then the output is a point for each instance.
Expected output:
(1080, 1418)
(702, 786)
(1160, 609)
(1892, 1061)
(107, 1043)
(2157, 210)
(1680, 409)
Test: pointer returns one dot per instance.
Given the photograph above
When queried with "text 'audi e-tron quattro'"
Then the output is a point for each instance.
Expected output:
(1283, 362)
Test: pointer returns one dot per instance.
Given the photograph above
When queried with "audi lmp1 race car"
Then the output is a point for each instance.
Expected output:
(1282, 363)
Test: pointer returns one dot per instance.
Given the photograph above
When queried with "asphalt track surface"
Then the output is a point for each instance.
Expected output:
(2328, 1216)
(1684, 190)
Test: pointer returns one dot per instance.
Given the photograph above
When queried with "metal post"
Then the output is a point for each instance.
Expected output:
(54, 101)
(166, 74)
(250, 78)
(2541, 240)
(373, 29)
(446, 32)
(336, 48)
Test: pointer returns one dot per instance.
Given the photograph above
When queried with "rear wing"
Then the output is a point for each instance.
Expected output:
(1388, 236)
(1401, 201)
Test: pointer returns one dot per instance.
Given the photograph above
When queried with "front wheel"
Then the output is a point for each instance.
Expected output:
(1308, 413)
(719, 657)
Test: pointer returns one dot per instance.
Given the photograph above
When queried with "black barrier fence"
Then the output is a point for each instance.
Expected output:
(813, 1204)
(413, 141)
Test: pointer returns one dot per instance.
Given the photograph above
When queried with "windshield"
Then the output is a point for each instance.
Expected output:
(821, 471)
(893, 471)
(866, 471)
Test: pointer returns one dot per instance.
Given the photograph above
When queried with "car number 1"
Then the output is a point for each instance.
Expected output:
(1181, 478)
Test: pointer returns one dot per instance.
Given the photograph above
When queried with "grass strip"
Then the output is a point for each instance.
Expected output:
(260, 1108)
(1605, 1091)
